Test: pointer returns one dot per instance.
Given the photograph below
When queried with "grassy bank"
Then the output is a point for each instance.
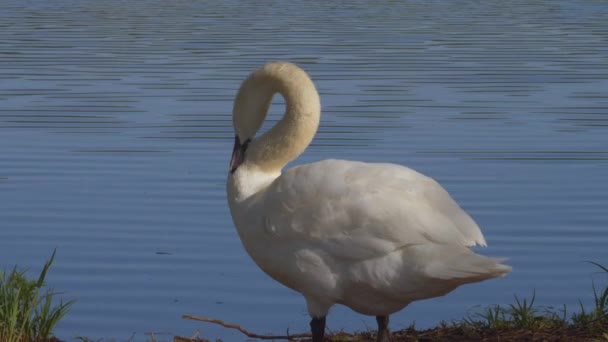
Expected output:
(522, 320)
(27, 313)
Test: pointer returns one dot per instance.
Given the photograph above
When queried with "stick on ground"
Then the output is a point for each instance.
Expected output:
(244, 331)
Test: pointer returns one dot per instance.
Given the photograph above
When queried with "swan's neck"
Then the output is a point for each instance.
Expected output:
(294, 132)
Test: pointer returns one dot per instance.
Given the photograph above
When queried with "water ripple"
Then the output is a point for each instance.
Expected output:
(115, 135)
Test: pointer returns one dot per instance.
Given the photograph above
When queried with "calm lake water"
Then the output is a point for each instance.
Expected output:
(115, 137)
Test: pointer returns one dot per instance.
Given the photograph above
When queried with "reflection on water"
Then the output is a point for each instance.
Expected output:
(115, 135)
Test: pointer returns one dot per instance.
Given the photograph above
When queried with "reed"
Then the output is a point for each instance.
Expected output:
(27, 312)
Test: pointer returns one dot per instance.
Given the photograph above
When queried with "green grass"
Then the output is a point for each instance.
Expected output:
(598, 316)
(522, 314)
(525, 315)
(27, 312)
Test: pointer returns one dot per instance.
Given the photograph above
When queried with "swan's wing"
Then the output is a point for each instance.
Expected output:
(358, 210)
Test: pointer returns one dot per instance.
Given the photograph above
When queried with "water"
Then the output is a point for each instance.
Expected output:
(115, 136)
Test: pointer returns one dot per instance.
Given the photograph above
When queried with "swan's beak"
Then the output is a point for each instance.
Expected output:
(238, 153)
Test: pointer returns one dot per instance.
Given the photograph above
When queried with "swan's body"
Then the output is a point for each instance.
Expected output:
(374, 237)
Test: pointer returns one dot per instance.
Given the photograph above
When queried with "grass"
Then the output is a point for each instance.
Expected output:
(522, 314)
(599, 314)
(27, 312)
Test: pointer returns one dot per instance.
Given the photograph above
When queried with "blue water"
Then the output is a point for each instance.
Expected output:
(115, 137)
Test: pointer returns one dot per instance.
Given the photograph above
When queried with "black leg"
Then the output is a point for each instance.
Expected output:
(317, 327)
(383, 334)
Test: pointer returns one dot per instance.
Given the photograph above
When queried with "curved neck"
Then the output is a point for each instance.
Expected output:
(296, 129)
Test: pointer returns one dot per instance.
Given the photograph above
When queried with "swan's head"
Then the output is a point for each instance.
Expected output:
(248, 115)
(238, 153)
(290, 136)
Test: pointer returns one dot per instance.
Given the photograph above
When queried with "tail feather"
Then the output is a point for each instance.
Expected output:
(463, 265)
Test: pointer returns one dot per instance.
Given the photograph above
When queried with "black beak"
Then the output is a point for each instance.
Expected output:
(238, 153)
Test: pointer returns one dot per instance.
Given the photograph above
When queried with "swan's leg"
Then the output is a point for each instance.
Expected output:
(383, 334)
(317, 327)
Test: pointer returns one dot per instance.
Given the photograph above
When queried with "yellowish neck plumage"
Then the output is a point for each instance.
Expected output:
(294, 132)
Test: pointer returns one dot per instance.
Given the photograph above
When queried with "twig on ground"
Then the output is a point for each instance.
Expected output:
(244, 331)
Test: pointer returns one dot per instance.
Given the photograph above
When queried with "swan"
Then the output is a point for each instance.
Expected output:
(373, 237)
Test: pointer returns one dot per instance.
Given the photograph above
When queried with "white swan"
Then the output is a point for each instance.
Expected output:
(373, 237)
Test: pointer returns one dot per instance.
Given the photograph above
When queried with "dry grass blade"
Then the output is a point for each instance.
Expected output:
(244, 331)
